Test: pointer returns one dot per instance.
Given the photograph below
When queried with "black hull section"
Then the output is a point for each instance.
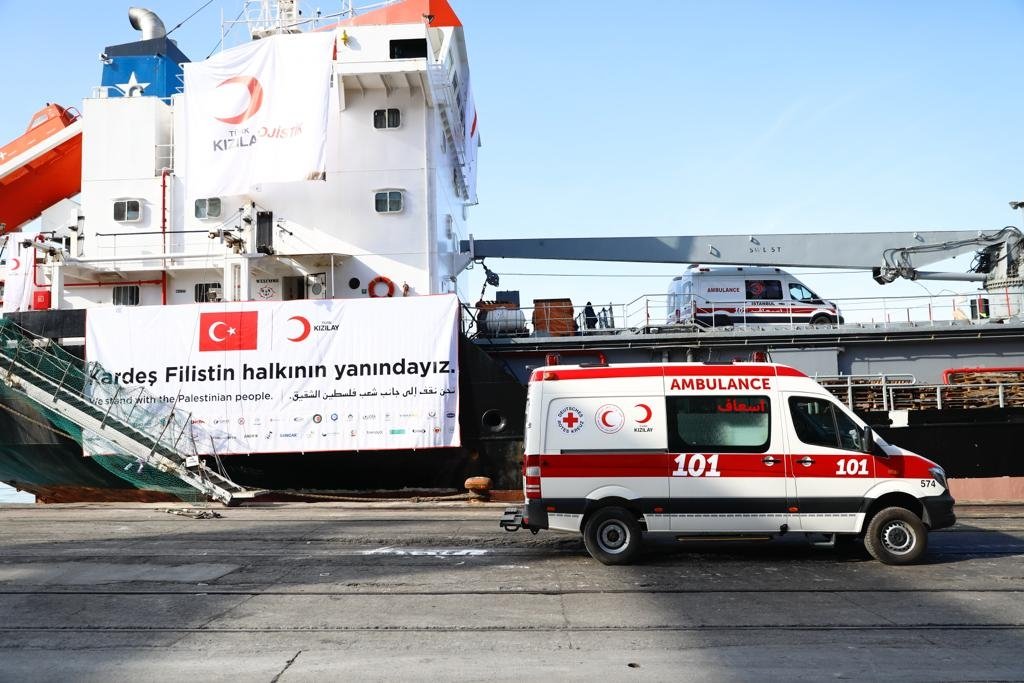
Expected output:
(976, 443)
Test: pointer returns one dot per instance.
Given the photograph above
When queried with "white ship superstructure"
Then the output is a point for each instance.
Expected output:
(384, 220)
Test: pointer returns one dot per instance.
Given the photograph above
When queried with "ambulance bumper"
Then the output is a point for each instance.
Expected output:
(938, 511)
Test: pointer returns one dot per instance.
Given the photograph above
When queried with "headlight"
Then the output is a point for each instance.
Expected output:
(939, 475)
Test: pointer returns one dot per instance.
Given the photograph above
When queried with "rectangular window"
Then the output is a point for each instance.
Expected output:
(387, 118)
(819, 422)
(208, 207)
(458, 95)
(764, 289)
(388, 201)
(127, 210)
(409, 48)
(718, 424)
(209, 291)
(126, 295)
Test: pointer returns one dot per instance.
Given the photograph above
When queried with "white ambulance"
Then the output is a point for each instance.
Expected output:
(734, 450)
(741, 295)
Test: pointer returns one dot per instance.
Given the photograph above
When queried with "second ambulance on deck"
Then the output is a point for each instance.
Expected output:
(701, 449)
(727, 296)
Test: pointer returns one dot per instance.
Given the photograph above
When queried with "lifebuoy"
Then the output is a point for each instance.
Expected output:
(380, 280)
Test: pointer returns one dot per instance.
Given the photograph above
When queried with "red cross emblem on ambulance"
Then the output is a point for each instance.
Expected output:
(569, 419)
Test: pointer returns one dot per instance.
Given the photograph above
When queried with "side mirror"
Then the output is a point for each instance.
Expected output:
(867, 442)
(867, 439)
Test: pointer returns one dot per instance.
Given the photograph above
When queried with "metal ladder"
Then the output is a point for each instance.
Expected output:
(134, 422)
(454, 129)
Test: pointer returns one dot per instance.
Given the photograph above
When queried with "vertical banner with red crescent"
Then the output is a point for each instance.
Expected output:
(257, 113)
(17, 275)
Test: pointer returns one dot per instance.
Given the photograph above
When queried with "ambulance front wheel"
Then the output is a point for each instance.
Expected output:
(612, 535)
(821, 319)
(896, 536)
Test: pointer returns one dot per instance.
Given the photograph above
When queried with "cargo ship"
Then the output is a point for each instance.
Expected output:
(247, 276)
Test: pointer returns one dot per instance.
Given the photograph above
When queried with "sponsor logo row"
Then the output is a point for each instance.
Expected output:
(609, 418)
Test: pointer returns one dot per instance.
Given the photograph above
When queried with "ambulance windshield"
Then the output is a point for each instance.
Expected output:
(800, 293)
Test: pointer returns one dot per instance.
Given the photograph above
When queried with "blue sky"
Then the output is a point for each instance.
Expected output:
(607, 118)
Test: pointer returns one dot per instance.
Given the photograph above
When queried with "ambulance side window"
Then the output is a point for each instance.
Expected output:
(730, 424)
(819, 422)
(764, 289)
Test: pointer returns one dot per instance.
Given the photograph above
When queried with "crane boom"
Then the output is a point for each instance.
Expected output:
(890, 254)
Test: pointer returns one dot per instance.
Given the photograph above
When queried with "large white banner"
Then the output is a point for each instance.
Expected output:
(291, 376)
(258, 113)
(17, 274)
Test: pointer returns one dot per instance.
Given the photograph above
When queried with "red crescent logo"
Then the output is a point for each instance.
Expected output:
(610, 418)
(255, 98)
(305, 328)
(17, 264)
(647, 410)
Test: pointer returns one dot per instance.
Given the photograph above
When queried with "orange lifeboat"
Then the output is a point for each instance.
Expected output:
(41, 167)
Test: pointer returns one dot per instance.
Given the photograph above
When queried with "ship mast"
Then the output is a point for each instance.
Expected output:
(270, 17)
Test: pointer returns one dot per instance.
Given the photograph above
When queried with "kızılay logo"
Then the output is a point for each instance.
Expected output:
(247, 102)
(228, 331)
(304, 329)
(255, 90)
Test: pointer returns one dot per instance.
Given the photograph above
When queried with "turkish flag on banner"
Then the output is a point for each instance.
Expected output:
(230, 331)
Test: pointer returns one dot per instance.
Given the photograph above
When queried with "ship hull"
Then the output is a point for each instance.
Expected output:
(971, 444)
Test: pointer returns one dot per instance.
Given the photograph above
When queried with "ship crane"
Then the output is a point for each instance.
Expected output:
(888, 255)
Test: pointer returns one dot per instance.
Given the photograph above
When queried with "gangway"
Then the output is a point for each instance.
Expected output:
(134, 423)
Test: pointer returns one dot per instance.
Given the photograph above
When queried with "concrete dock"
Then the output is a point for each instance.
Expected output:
(299, 592)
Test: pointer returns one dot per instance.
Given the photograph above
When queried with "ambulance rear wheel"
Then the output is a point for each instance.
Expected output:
(612, 535)
(896, 536)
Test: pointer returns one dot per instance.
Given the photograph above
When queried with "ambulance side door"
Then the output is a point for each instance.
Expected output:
(728, 470)
(830, 472)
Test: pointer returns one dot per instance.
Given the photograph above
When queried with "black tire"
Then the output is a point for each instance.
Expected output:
(612, 535)
(821, 319)
(896, 536)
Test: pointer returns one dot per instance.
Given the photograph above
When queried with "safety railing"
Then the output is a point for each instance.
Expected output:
(557, 318)
(870, 393)
(651, 313)
(865, 392)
